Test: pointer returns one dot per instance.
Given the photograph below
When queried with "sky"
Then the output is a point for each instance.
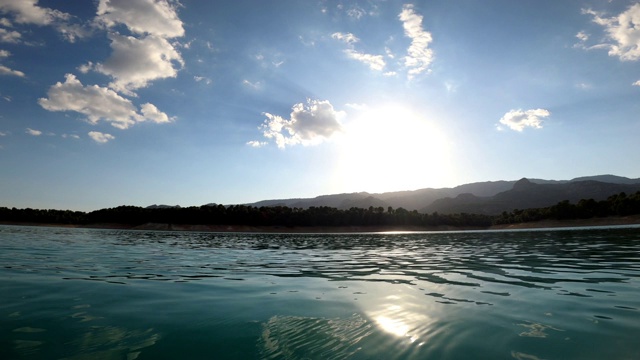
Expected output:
(139, 102)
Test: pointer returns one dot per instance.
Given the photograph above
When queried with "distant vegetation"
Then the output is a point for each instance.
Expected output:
(617, 205)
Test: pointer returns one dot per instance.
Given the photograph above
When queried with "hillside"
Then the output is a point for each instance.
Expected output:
(490, 197)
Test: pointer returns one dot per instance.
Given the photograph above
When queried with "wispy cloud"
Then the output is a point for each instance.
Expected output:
(7, 71)
(375, 62)
(519, 119)
(419, 55)
(4, 70)
(257, 144)
(622, 31)
(309, 124)
(253, 85)
(202, 79)
(33, 132)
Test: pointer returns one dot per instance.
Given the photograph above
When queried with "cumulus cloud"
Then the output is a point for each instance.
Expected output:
(98, 103)
(375, 62)
(33, 132)
(28, 12)
(310, 124)
(154, 17)
(151, 113)
(419, 55)
(637, 83)
(135, 62)
(622, 31)
(518, 120)
(99, 137)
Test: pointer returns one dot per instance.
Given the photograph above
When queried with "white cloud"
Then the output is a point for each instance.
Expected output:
(6, 71)
(356, 12)
(582, 36)
(203, 79)
(310, 124)
(85, 68)
(622, 30)
(347, 38)
(375, 62)
(98, 103)
(28, 12)
(637, 83)
(5, 22)
(33, 132)
(419, 55)
(150, 112)
(518, 120)
(135, 62)
(256, 144)
(155, 17)
(100, 137)
(7, 36)
(3, 133)
(254, 85)
(73, 136)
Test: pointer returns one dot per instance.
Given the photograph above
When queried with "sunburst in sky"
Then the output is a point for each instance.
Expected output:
(112, 102)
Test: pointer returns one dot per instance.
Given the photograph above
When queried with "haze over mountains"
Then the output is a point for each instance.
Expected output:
(490, 198)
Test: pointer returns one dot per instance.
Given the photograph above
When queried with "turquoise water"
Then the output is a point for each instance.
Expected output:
(106, 294)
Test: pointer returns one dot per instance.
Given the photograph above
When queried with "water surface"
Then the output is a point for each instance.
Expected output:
(112, 294)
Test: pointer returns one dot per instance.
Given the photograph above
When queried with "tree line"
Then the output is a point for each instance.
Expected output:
(616, 205)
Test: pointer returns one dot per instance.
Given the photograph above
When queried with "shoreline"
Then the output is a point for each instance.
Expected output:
(608, 221)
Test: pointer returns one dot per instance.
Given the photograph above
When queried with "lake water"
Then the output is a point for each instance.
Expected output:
(112, 294)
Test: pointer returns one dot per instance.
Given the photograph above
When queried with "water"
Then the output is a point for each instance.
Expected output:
(107, 294)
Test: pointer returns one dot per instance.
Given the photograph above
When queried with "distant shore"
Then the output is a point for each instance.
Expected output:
(607, 221)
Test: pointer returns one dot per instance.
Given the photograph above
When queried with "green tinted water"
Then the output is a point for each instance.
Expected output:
(104, 294)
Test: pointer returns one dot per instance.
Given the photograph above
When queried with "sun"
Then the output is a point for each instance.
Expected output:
(392, 148)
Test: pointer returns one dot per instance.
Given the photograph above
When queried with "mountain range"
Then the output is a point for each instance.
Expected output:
(490, 198)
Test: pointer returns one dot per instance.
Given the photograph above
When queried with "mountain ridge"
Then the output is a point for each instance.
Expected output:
(488, 197)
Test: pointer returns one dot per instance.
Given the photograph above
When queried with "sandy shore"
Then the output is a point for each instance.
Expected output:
(625, 220)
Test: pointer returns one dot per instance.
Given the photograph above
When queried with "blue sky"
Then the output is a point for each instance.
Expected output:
(112, 102)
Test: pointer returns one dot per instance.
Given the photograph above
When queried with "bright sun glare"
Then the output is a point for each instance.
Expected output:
(392, 148)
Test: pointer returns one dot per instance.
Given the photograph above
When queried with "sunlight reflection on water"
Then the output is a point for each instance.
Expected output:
(524, 295)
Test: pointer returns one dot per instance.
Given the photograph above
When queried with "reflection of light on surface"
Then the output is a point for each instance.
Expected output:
(395, 327)
(399, 320)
